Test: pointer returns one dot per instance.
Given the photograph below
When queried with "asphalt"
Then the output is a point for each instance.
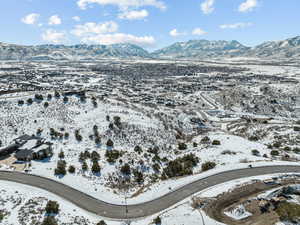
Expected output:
(112, 211)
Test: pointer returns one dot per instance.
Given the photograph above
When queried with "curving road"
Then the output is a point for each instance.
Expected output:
(112, 211)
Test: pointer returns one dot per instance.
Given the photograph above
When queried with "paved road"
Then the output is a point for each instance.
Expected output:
(107, 210)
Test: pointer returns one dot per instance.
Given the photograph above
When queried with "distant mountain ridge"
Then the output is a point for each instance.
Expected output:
(193, 49)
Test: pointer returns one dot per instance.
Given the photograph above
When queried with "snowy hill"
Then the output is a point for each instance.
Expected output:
(201, 49)
(75, 52)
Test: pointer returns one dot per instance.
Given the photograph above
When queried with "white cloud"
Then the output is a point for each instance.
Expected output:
(31, 18)
(94, 28)
(123, 4)
(107, 39)
(176, 33)
(134, 15)
(235, 25)
(54, 20)
(248, 5)
(207, 6)
(76, 18)
(198, 31)
(53, 36)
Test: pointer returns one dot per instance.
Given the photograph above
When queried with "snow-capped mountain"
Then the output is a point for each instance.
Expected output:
(82, 51)
(286, 48)
(202, 49)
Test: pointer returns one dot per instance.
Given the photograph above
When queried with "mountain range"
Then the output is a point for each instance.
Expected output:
(195, 49)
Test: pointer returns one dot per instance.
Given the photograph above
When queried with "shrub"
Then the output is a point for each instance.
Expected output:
(125, 169)
(78, 136)
(216, 142)
(208, 166)
(205, 140)
(182, 146)
(138, 176)
(112, 156)
(296, 128)
(39, 97)
(52, 207)
(49, 220)
(138, 149)
(56, 94)
(102, 222)
(228, 152)
(181, 166)
(49, 97)
(157, 220)
(29, 101)
(61, 168)
(95, 167)
(46, 104)
(21, 102)
(71, 169)
(195, 145)
(66, 99)
(110, 143)
(255, 152)
(84, 166)
(274, 153)
(288, 211)
(156, 167)
(61, 155)
(95, 156)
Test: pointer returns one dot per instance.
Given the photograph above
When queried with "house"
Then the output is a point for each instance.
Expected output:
(38, 152)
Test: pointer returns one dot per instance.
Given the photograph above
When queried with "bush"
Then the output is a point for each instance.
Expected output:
(138, 149)
(66, 99)
(29, 101)
(112, 156)
(205, 140)
(125, 169)
(195, 145)
(216, 142)
(157, 220)
(78, 136)
(296, 128)
(46, 104)
(138, 176)
(84, 166)
(21, 102)
(102, 222)
(71, 169)
(288, 211)
(39, 97)
(110, 143)
(182, 146)
(61, 155)
(208, 166)
(95, 167)
(255, 152)
(49, 97)
(274, 153)
(181, 166)
(49, 220)
(1, 216)
(56, 94)
(95, 156)
(61, 168)
(52, 207)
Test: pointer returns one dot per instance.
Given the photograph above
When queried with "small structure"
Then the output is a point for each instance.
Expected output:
(27, 148)
(38, 152)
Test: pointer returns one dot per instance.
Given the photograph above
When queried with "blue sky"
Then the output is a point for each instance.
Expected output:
(149, 23)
